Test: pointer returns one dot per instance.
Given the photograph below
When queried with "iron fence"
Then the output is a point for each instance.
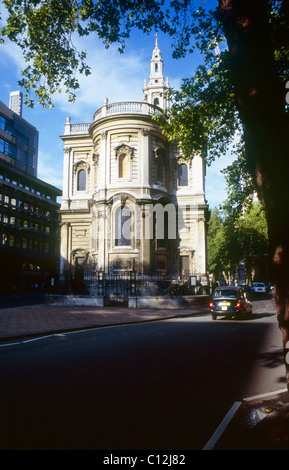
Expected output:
(117, 288)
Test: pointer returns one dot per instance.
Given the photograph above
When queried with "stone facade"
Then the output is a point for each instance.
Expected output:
(130, 201)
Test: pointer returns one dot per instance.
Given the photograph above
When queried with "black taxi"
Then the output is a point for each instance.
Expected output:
(230, 301)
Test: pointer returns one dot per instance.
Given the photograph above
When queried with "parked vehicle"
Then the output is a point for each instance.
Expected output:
(259, 287)
(230, 301)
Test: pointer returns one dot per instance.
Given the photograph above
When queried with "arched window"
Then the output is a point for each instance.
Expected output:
(81, 180)
(123, 225)
(160, 170)
(156, 101)
(123, 165)
(183, 175)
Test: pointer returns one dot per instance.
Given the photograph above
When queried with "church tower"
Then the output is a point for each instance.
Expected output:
(155, 92)
(131, 204)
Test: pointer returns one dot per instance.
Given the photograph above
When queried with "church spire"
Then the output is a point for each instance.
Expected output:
(156, 89)
(157, 64)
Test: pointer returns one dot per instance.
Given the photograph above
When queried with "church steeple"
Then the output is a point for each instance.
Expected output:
(157, 65)
(156, 89)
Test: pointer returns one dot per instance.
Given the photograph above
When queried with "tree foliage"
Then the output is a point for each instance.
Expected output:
(240, 184)
(205, 116)
(236, 239)
(216, 245)
(45, 30)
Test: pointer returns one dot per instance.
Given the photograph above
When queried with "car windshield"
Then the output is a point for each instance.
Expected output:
(225, 293)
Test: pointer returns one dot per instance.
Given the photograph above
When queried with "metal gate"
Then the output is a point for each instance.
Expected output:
(118, 288)
(113, 288)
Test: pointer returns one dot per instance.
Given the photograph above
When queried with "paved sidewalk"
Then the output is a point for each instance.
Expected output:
(33, 319)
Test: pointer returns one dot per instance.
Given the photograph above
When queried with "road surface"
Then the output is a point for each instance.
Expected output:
(160, 385)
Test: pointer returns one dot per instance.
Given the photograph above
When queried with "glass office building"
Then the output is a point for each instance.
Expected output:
(29, 221)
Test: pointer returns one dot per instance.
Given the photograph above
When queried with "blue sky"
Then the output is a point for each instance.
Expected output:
(118, 77)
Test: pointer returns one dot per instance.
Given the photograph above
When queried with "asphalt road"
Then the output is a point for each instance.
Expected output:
(161, 385)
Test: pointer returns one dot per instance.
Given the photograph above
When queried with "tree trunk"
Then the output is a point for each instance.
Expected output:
(260, 100)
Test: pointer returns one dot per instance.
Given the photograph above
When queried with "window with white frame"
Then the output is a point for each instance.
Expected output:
(123, 165)
(183, 179)
(124, 154)
(123, 226)
(81, 180)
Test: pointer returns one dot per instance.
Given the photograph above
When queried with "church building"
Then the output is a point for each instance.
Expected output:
(131, 202)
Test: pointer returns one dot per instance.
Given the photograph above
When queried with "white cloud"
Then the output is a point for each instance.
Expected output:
(113, 75)
(48, 171)
(10, 51)
(118, 77)
(216, 190)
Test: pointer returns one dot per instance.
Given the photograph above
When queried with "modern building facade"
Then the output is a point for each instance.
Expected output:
(131, 202)
(29, 220)
(18, 138)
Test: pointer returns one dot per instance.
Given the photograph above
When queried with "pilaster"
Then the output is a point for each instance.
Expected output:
(66, 180)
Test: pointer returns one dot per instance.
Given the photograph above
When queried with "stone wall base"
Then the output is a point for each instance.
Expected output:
(83, 300)
(169, 302)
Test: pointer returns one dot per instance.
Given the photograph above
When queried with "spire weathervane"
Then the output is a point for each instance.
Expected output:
(156, 36)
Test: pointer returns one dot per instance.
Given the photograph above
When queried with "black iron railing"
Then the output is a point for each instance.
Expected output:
(118, 287)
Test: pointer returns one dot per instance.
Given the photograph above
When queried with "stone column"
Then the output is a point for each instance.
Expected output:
(101, 239)
(146, 242)
(65, 247)
(145, 169)
(103, 162)
(201, 260)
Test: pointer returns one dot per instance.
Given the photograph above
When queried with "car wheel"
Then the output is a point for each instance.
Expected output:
(214, 317)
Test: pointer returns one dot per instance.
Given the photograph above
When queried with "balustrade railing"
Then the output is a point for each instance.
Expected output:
(123, 107)
(79, 128)
(127, 107)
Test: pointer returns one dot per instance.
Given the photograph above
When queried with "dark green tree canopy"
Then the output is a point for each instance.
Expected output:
(235, 238)
(45, 29)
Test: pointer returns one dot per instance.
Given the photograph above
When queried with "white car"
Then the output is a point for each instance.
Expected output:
(259, 287)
